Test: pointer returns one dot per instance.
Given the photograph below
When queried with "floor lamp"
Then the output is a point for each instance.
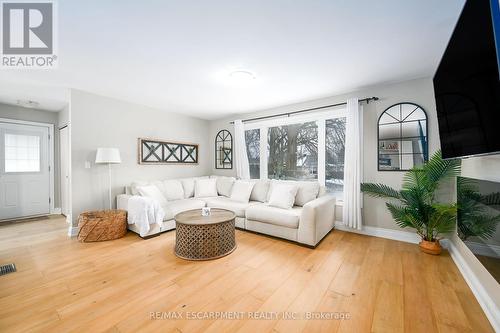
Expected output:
(108, 156)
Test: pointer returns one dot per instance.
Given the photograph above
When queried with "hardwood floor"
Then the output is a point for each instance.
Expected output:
(381, 285)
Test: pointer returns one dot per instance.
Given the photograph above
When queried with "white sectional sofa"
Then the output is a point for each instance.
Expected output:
(309, 220)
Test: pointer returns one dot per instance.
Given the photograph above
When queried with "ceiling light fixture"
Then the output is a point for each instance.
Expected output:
(242, 76)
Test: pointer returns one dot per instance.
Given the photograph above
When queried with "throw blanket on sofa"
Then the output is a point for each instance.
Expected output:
(143, 212)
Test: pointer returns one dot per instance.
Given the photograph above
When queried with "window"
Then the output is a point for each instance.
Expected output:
(306, 147)
(22, 153)
(293, 151)
(334, 155)
(252, 140)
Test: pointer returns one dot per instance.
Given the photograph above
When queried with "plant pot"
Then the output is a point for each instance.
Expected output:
(430, 247)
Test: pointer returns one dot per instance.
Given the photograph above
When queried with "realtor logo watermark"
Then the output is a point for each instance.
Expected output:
(28, 35)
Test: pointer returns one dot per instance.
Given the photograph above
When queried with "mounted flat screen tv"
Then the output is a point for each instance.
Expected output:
(467, 83)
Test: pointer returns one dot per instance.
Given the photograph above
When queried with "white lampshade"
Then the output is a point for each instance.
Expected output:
(108, 155)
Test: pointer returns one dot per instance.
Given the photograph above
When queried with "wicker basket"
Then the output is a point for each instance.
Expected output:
(102, 225)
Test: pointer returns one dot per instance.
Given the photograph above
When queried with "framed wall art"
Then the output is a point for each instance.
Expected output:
(152, 151)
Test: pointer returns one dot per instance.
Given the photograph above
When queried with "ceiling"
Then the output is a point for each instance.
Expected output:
(177, 55)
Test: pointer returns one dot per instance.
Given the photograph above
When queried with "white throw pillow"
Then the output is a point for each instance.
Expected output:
(152, 192)
(205, 188)
(224, 185)
(188, 185)
(283, 195)
(260, 190)
(241, 191)
(134, 185)
(173, 190)
(308, 191)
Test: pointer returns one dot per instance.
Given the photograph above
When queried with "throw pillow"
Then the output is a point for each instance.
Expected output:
(173, 190)
(283, 195)
(188, 185)
(134, 185)
(152, 192)
(224, 185)
(260, 190)
(308, 191)
(241, 191)
(205, 188)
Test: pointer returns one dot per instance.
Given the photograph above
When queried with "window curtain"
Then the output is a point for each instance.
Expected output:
(240, 151)
(353, 165)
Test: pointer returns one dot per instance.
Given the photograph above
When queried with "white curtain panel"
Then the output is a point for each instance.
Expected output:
(240, 151)
(353, 166)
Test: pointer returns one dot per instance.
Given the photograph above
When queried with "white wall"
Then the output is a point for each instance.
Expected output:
(98, 121)
(418, 91)
(63, 117)
(41, 116)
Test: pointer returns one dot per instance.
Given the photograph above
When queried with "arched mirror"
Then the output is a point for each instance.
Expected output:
(402, 137)
(224, 150)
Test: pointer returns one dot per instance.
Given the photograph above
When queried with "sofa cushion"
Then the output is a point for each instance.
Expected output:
(134, 185)
(188, 185)
(241, 191)
(224, 185)
(307, 190)
(153, 192)
(238, 208)
(283, 195)
(204, 188)
(283, 217)
(178, 206)
(173, 190)
(260, 190)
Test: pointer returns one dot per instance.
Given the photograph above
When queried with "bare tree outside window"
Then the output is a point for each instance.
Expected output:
(252, 140)
(335, 153)
(293, 151)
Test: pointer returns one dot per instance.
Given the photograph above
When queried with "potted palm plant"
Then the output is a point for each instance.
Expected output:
(415, 205)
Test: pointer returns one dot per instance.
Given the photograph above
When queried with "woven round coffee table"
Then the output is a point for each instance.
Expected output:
(204, 237)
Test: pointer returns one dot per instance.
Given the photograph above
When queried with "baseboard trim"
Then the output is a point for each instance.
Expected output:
(73, 231)
(403, 236)
(484, 299)
(56, 211)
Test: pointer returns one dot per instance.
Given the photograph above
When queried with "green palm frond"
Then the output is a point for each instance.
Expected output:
(404, 217)
(443, 219)
(474, 216)
(492, 199)
(437, 169)
(380, 191)
(481, 225)
(417, 208)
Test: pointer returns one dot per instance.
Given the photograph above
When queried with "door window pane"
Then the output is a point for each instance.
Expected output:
(252, 140)
(293, 151)
(22, 153)
(335, 153)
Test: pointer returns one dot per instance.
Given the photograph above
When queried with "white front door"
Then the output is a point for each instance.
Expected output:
(24, 170)
(64, 152)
